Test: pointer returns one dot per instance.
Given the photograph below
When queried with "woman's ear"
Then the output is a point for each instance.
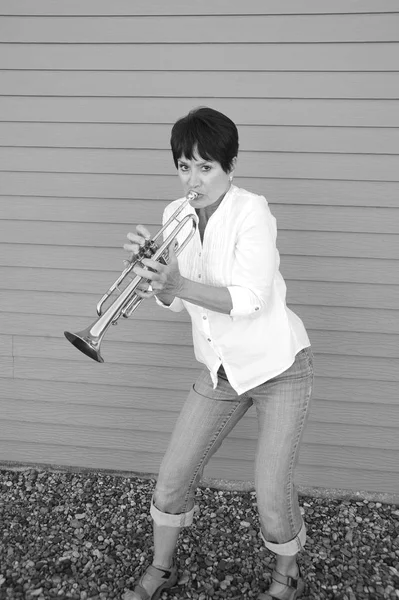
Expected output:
(232, 168)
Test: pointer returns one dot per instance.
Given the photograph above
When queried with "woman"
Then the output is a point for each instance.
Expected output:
(255, 351)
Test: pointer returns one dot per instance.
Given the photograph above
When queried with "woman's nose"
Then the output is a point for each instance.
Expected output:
(194, 179)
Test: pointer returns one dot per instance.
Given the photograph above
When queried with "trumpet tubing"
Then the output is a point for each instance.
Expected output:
(127, 301)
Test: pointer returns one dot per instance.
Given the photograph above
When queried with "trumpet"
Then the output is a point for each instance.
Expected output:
(127, 301)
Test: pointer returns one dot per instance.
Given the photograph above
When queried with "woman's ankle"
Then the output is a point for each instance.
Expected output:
(163, 565)
(287, 565)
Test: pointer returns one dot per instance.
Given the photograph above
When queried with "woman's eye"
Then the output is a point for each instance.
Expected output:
(183, 168)
(206, 168)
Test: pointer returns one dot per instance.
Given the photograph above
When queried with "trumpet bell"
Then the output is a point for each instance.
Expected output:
(86, 343)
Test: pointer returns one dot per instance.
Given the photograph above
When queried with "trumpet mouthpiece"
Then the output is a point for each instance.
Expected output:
(192, 195)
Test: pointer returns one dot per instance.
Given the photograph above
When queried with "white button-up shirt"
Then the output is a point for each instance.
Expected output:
(261, 336)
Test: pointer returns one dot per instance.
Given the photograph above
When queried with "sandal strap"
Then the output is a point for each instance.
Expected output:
(141, 592)
(158, 573)
(286, 579)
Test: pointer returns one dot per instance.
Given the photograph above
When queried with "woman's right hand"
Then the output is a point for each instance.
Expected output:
(136, 241)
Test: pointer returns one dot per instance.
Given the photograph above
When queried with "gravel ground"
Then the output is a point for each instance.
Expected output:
(88, 535)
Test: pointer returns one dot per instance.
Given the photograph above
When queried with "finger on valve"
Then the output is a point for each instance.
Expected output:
(130, 260)
(145, 287)
(137, 241)
(143, 232)
(133, 250)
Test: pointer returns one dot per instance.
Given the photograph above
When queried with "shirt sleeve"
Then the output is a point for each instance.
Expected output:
(256, 261)
(176, 306)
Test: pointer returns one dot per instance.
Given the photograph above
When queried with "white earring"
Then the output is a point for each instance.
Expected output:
(231, 178)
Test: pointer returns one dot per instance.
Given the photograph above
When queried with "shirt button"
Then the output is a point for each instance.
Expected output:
(204, 318)
(256, 307)
(209, 340)
(200, 254)
(199, 276)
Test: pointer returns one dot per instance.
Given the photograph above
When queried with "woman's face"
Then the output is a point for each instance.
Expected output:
(206, 177)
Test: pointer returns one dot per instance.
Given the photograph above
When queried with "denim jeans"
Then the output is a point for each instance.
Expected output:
(208, 415)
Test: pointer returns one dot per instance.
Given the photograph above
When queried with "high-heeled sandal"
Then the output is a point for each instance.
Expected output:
(167, 578)
(296, 585)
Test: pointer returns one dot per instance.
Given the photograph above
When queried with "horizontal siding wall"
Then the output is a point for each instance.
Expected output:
(88, 92)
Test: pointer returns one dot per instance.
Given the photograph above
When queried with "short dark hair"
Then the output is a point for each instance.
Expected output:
(207, 131)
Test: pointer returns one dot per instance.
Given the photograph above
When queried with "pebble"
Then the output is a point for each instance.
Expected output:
(75, 523)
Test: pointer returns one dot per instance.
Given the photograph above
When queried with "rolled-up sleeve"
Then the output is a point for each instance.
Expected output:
(245, 301)
(176, 306)
(256, 261)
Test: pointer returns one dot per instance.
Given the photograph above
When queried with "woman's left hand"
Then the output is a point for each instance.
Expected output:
(164, 279)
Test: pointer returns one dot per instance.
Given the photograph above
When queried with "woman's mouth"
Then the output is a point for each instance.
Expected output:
(197, 197)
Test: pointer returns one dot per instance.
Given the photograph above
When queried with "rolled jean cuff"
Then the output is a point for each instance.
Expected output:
(168, 520)
(288, 548)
